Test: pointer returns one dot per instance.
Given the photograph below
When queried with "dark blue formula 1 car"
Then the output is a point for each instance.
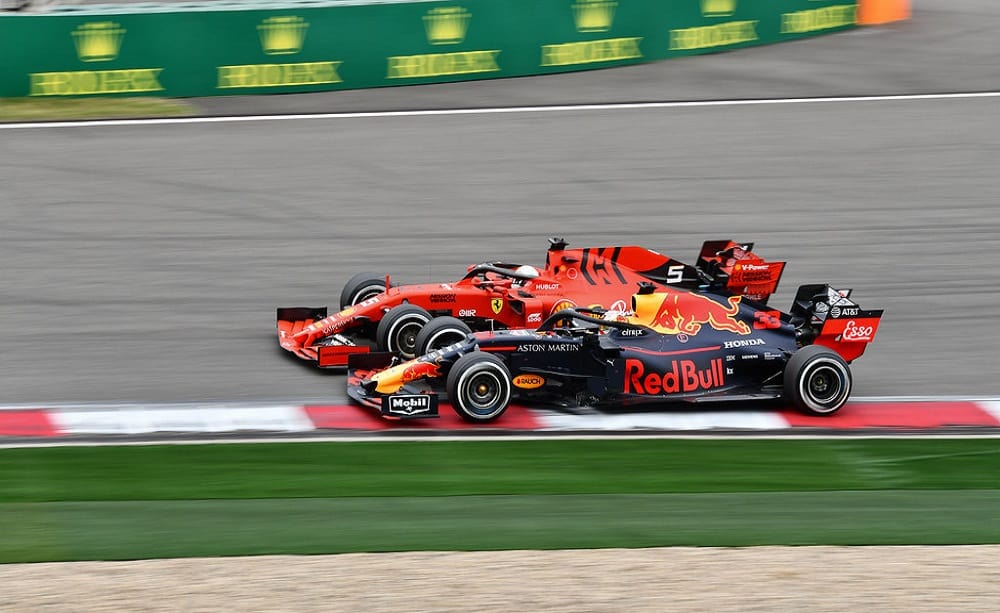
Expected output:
(674, 345)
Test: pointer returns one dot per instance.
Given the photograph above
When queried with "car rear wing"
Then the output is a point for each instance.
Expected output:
(735, 267)
(827, 316)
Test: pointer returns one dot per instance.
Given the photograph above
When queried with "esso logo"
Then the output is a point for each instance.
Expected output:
(528, 382)
(854, 332)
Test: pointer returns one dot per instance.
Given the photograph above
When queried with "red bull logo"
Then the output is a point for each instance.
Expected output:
(683, 313)
(419, 370)
(395, 377)
(684, 376)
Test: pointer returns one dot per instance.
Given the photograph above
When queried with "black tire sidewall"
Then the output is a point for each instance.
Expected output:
(802, 365)
(460, 377)
(437, 327)
(358, 284)
(387, 333)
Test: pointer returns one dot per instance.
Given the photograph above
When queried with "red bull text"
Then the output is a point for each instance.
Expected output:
(683, 376)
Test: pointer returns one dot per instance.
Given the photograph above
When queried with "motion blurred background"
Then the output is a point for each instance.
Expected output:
(143, 262)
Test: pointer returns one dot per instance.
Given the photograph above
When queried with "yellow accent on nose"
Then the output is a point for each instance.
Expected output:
(389, 380)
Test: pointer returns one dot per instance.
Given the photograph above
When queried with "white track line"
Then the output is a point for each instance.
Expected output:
(565, 108)
(67, 410)
(366, 438)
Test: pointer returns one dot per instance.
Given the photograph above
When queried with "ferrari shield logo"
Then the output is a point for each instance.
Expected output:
(497, 304)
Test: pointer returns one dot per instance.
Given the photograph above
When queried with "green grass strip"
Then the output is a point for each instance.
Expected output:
(78, 503)
(51, 109)
(335, 470)
(160, 529)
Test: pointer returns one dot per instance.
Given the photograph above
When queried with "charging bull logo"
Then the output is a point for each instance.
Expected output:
(392, 378)
(419, 370)
(686, 313)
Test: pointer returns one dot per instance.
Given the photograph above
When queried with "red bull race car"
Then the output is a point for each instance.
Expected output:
(672, 345)
(498, 295)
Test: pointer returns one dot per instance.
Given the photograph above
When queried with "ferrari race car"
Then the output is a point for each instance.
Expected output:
(498, 295)
(674, 345)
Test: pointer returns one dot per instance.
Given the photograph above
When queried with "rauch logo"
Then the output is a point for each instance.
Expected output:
(528, 382)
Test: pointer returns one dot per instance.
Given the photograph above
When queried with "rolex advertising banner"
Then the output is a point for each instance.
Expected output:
(202, 51)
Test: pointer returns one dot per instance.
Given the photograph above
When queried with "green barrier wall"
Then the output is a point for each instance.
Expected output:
(206, 50)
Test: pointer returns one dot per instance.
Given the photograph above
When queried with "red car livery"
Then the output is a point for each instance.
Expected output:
(498, 295)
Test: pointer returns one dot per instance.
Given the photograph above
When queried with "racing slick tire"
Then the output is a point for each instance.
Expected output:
(479, 387)
(817, 380)
(397, 332)
(439, 333)
(360, 287)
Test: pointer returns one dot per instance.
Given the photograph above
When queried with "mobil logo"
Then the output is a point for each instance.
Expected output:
(682, 376)
(402, 406)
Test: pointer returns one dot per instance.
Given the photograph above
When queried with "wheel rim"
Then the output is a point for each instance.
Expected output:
(406, 337)
(825, 386)
(483, 390)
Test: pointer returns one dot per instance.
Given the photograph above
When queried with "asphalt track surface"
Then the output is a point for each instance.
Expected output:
(144, 262)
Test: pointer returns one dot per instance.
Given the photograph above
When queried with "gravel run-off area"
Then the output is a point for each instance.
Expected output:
(815, 579)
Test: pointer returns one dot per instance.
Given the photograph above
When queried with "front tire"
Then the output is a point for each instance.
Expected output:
(361, 287)
(817, 380)
(479, 387)
(397, 332)
(439, 333)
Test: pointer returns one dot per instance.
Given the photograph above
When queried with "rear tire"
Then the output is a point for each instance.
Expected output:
(361, 287)
(479, 387)
(817, 380)
(397, 332)
(439, 333)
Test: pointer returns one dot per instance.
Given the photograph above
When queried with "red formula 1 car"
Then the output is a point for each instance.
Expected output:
(497, 295)
(674, 345)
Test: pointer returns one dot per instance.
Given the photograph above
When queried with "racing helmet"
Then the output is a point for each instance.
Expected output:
(527, 270)
(526, 273)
